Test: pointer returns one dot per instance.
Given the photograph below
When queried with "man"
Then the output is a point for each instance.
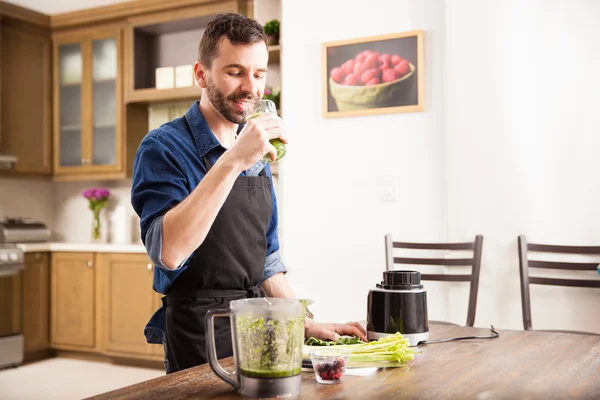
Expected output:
(208, 221)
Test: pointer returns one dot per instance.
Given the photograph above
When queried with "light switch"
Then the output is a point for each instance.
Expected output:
(387, 188)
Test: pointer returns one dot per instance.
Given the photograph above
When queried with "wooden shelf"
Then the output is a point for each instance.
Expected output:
(274, 54)
(70, 128)
(70, 84)
(105, 126)
(163, 95)
(105, 80)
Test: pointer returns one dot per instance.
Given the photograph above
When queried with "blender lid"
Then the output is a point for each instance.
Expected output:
(401, 280)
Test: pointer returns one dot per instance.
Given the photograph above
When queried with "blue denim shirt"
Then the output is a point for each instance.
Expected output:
(167, 168)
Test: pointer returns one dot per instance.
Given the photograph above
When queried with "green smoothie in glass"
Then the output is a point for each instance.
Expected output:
(261, 107)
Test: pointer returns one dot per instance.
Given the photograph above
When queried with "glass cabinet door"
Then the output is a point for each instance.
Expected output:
(70, 72)
(104, 98)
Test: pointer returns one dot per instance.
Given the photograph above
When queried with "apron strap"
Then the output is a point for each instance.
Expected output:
(251, 292)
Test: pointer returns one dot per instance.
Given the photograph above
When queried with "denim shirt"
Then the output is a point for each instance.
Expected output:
(167, 167)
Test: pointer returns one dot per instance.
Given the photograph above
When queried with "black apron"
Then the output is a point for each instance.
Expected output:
(227, 266)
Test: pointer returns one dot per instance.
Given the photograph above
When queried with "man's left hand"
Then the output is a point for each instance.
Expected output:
(325, 331)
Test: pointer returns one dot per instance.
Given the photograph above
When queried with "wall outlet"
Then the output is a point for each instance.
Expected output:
(387, 188)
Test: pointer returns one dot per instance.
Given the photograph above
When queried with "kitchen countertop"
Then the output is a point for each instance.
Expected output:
(83, 247)
(518, 364)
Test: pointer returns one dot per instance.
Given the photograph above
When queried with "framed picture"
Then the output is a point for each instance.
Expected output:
(373, 75)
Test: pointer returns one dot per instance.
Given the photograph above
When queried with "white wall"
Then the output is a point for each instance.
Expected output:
(73, 219)
(522, 146)
(333, 225)
(27, 198)
(507, 146)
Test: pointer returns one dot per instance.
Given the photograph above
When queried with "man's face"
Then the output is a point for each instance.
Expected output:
(236, 78)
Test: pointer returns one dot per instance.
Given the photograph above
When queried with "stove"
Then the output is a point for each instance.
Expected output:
(12, 263)
(23, 230)
(11, 259)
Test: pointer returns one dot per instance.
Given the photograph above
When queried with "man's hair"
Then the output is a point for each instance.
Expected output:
(238, 28)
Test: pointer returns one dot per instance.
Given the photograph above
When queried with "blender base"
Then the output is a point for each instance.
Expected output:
(270, 387)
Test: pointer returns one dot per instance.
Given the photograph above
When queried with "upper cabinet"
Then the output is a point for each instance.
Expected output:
(167, 40)
(88, 104)
(25, 91)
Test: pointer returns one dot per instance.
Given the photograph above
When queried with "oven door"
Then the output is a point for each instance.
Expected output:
(11, 324)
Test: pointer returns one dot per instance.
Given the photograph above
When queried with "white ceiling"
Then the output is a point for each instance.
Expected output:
(61, 6)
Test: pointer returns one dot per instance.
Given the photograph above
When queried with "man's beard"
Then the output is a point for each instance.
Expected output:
(223, 105)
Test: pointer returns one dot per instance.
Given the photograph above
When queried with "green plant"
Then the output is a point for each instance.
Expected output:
(272, 28)
(272, 94)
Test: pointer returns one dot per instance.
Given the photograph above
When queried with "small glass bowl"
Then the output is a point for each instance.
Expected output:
(329, 365)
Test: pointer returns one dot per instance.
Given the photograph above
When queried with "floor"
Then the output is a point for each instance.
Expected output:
(63, 378)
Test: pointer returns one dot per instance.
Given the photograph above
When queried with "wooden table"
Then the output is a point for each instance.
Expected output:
(517, 365)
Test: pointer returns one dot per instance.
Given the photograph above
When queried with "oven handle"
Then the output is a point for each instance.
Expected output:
(13, 270)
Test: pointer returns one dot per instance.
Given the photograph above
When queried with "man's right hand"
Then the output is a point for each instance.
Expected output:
(253, 141)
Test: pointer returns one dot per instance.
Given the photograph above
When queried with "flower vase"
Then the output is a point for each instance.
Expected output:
(96, 226)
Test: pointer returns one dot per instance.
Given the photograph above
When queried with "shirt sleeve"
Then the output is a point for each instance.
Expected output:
(158, 182)
(153, 245)
(273, 265)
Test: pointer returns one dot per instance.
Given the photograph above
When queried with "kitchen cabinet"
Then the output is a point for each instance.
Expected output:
(101, 303)
(25, 91)
(36, 302)
(128, 304)
(73, 301)
(88, 105)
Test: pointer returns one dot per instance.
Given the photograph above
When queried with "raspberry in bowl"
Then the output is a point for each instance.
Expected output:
(329, 365)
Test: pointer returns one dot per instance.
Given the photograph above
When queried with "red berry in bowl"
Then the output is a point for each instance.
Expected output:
(337, 74)
(371, 61)
(359, 68)
(352, 80)
(374, 81)
(389, 75)
(396, 59)
(349, 66)
(402, 68)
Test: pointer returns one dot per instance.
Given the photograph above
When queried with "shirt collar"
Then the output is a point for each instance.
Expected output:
(203, 136)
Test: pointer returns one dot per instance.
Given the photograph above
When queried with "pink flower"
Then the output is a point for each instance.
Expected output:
(96, 194)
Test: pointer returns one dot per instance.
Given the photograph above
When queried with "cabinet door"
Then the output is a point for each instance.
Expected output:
(68, 100)
(106, 104)
(36, 302)
(129, 302)
(89, 104)
(73, 301)
(26, 117)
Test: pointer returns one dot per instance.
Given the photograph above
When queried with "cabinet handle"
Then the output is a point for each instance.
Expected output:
(89, 161)
(82, 161)
(37, 256)
(149, 267)
(90, 264)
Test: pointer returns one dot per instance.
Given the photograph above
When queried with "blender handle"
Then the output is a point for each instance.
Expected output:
(211, 348)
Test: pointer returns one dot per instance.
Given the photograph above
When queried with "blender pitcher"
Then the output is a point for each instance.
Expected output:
(268, 336)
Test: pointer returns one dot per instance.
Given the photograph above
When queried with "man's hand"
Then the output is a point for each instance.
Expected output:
(253, 141)
(324, 331)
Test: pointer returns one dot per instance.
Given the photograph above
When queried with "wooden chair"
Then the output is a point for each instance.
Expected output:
(526, 280)
(475, 262)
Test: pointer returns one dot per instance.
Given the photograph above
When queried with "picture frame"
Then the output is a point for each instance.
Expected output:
(374, 82)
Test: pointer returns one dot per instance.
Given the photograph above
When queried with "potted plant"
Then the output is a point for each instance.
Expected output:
(273, 94)
(272, 32)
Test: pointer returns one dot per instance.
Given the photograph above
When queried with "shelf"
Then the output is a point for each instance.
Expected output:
(105, 80)
(70, 128)
(163, 95)
(106, 126)
(274, 54)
